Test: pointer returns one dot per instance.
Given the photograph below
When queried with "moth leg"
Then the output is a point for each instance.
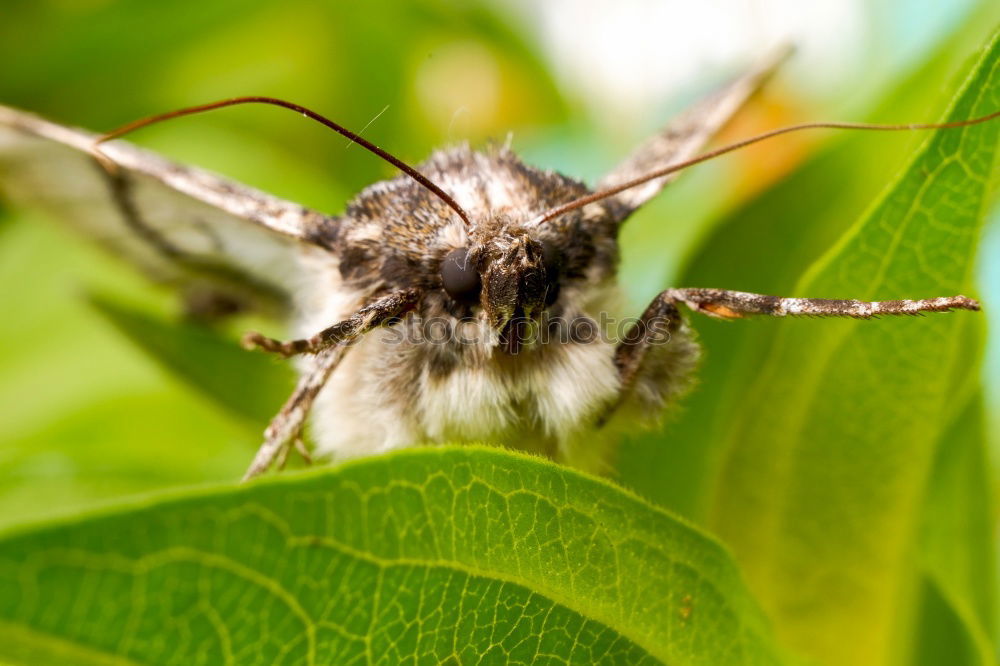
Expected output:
(282, 458)
(371, 315)
(726, 304)
(286, 427)
(300, 446)
(661, 320)
(287, 424)
(658, 323)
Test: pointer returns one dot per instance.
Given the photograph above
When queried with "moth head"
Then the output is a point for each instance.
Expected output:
(513, 278)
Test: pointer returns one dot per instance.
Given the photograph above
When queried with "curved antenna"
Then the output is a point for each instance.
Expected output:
(553, 213)
(343, 131)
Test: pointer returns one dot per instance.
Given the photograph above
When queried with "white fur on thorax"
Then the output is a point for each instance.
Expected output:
(550, 392)
(364, 410)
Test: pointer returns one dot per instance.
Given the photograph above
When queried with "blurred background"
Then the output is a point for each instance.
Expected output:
(576, 84)
(96, 398)
(86, 414)
(105, 391)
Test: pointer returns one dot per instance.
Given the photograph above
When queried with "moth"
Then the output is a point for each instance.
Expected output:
(463, 300)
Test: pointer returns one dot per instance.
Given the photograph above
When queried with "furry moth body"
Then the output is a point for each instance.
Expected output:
(461, 314)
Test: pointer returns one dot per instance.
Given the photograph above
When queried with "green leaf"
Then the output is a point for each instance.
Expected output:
(829, 450)
(764, 246)
(435, 554)
(252, 386)
(943, 634)
(958, 605)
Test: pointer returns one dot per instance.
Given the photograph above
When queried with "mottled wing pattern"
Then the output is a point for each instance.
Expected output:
(180, 225)
(683, 137)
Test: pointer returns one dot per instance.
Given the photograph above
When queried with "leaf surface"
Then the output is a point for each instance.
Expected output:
(430, 554)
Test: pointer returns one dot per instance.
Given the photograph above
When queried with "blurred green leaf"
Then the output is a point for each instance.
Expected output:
(84, 415)
(943, 635)
(827, 454)
(250, 385)
(957, 609)
(454, 554)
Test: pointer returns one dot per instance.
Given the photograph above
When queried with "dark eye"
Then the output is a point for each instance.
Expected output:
(552, 260)
(460, 277)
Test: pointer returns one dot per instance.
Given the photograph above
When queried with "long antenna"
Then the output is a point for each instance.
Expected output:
(343, 131)
(553, 213)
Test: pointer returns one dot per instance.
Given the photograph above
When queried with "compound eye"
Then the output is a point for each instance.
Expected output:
(460, 276)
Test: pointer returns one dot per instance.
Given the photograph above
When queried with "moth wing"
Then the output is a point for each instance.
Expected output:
(684, 136)
(180, 225)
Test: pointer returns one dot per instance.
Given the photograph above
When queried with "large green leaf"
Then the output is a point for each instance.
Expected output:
(829, 450)
(436, 555)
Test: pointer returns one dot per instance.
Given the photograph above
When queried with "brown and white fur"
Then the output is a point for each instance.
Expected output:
(395, 389)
